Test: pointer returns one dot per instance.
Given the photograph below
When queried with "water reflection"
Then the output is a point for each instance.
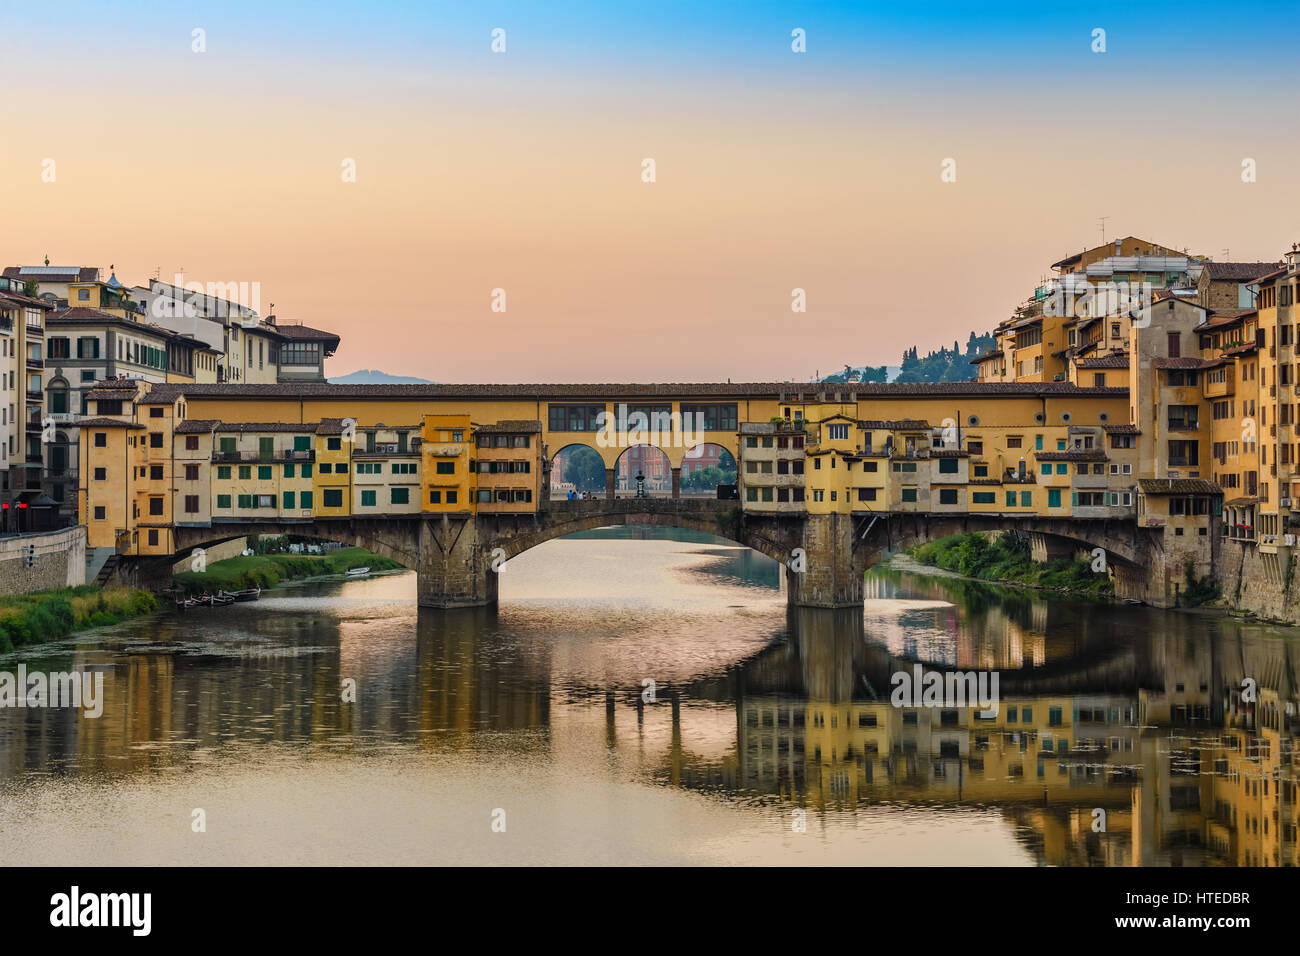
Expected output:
(1134, 712)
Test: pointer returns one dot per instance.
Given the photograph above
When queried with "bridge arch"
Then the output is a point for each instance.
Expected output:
(649, 461)
(705, 465)
(580, 467)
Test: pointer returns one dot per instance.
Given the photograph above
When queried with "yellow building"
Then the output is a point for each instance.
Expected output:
(508, 467)
(332, 483)
(449, 481)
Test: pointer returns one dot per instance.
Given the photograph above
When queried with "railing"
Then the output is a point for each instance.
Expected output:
(257, 458)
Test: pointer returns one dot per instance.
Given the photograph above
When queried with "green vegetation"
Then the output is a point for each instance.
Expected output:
(1201, 591)
(268, 570)
(1008, 559)
(584, 468)
(943, 365)
(50, 615)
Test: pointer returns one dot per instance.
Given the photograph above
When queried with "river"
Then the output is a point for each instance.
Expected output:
(644, 696)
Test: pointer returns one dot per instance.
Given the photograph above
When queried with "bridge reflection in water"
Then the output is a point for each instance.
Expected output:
(1131, 711)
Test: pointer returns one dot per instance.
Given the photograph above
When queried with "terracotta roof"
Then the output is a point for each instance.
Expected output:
(1177, 363)
(515, 425)
(301, 333)
(24, 301)
(902, 425)
(1104, 361)
(1269, 276)
(562, 392)
(1178, 486)
(330, 426)
(1238, 271)
(1240, 349)
(1241, 502)
(1222, 318)
(72, 274)
(985, 357)
(194, 426)
(82, 312)
(106, 423)
(948, 453)
(247, 427)
(1122, 429)
(1093, 454)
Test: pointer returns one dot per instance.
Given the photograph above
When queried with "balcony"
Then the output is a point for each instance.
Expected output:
(35, 396)
(445, 451)
(35, 364)
(257, 458)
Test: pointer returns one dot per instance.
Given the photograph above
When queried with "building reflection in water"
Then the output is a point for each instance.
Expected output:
(1131, 711)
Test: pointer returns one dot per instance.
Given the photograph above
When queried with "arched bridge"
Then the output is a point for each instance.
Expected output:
(825, 556)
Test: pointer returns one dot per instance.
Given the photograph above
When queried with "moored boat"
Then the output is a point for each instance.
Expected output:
(357, 572)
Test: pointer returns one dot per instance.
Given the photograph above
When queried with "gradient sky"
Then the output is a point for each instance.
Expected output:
(522, 170)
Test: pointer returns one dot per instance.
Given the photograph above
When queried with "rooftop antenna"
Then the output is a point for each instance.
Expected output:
(1101, 220)
(47, 258)
(1226, 257)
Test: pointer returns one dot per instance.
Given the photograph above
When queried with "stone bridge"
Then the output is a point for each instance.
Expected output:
(825, 556)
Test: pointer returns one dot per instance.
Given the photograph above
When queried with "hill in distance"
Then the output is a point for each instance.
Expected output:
(371, 376)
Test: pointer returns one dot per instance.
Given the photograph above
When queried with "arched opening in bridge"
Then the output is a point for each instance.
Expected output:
(704, 467)
(635, 561)
(643, 469)
(577, 469)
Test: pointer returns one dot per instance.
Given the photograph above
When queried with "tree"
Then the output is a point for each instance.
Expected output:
(584, 468)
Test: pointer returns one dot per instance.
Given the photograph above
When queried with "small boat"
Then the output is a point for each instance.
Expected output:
(221, 599)
(357, 572)
(247, 594)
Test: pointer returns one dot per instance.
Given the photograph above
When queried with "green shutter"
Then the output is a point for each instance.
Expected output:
(288, 471)
(288, 500)
(304, 500)
(263, 472)
(223, 501)
(223, 473)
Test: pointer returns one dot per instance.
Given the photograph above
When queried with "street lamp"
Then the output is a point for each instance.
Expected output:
(640, 485)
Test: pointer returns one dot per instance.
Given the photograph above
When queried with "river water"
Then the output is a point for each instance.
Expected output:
(644, 696)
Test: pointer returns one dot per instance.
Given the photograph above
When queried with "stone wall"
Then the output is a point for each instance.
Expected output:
(213, 553)
(60, 561)
(1264, 584)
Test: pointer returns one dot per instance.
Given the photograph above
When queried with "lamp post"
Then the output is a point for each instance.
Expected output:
(640, 485)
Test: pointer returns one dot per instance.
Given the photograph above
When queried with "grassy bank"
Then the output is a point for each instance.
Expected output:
(1007, 559)
(268, 570)
(50, 615)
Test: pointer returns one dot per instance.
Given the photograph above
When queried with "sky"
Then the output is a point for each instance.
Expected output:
(523, 170)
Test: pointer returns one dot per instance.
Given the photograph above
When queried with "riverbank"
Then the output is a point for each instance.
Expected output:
(268, 570)
(50, 615)
(1007, 560)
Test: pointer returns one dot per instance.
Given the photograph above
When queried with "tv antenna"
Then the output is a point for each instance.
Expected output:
(1101, 221)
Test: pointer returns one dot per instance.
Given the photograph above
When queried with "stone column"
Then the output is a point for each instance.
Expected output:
(831, 577)
(455, 567)
(677, 482)
(609, 484)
